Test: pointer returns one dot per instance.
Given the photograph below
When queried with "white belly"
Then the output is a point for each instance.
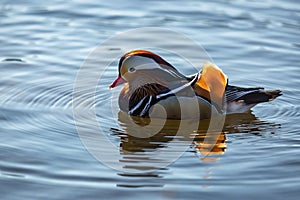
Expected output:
(238, 107)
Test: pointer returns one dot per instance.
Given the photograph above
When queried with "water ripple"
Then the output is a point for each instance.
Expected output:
(31, 96)
(284, 108)
(43, 44)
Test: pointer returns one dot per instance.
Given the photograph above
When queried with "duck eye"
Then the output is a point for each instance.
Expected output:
(131, 69)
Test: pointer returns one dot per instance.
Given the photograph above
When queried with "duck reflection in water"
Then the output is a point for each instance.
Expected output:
(145, 135)
(141, 137)
(138, 147)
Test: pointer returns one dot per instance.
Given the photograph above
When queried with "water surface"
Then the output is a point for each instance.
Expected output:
(45, 43)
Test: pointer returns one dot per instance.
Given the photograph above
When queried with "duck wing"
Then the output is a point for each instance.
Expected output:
(211, 85)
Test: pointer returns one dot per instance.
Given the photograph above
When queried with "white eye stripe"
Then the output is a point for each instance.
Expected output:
(144, 63)
(148, 66)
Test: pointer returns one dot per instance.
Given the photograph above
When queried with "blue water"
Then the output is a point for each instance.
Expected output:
(43, 46)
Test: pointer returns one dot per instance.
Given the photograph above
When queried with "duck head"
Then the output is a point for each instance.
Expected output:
(141, 67)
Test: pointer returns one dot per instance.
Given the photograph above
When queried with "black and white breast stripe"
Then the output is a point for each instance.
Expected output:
(142, 108)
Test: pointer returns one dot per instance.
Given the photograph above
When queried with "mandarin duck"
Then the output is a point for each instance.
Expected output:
(152, 82)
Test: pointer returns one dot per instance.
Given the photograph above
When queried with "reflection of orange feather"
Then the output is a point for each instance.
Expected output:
(211, 143)
(212, 84)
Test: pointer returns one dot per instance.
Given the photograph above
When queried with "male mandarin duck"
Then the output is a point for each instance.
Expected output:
(150, 81)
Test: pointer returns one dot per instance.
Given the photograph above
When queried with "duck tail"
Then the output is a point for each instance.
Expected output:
(250, 95)
(260, 96)
(273, 94)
